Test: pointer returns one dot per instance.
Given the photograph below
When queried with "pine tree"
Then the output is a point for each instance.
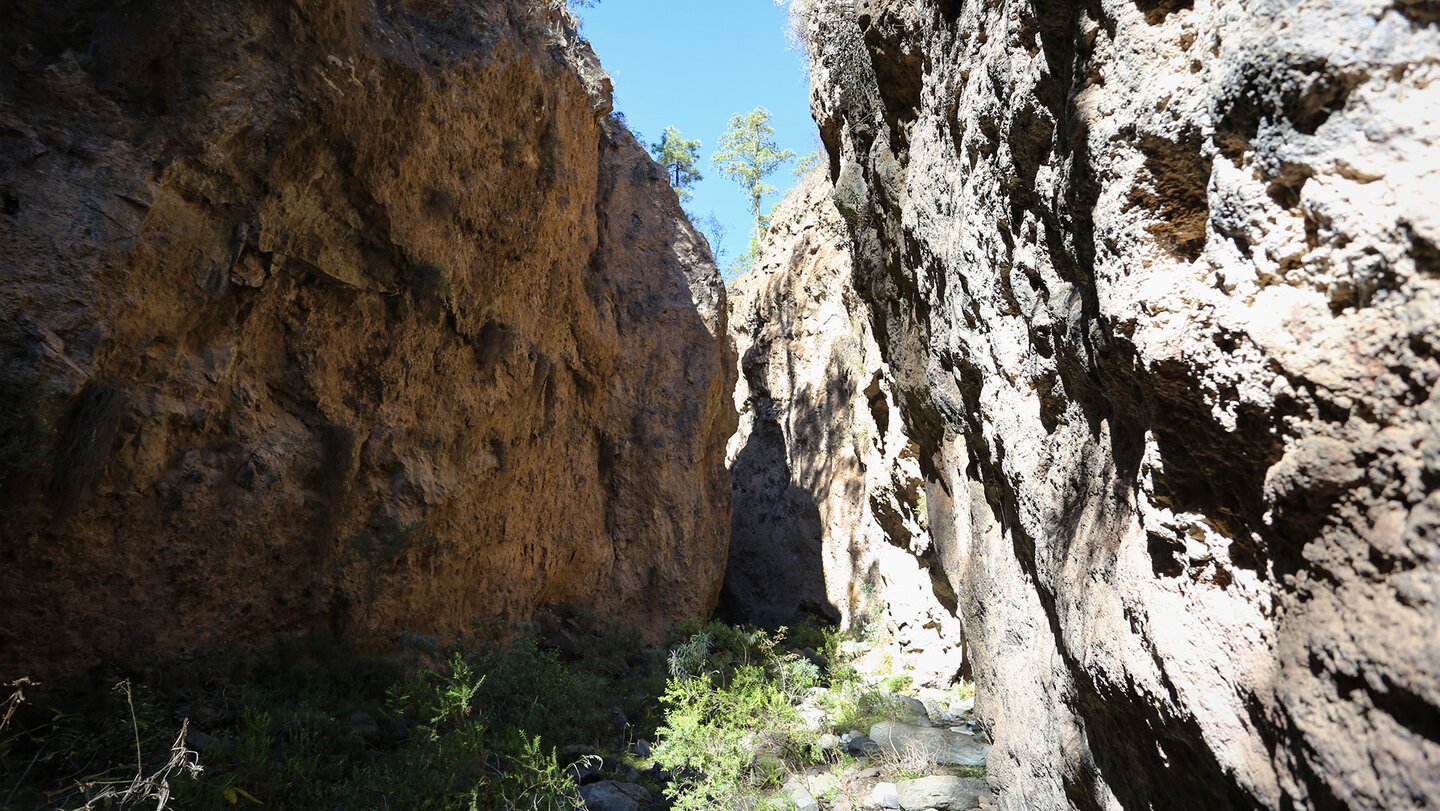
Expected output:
(678, 156)
(748, 154)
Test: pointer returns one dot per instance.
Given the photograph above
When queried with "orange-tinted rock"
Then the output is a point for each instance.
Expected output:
(318, 315)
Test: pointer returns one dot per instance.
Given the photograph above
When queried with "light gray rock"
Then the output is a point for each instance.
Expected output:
(1158, 285)
(828, 508)
(884, 795)
(912, 709)
(799, 795)
(928, 743)
(609, 795)
(940, 792)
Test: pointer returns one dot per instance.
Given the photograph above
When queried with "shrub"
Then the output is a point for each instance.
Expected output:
(722, 740)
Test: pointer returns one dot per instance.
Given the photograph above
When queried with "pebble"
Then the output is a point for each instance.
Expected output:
(884, 795)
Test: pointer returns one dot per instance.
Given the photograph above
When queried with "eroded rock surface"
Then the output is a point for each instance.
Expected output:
(1159, 288)
(829, 511)
(340, 315)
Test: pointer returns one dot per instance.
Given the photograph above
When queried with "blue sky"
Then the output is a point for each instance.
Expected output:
(690, 64)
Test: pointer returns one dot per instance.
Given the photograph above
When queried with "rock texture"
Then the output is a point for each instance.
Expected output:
(829, 508)
(1159, 287)
(340, 315)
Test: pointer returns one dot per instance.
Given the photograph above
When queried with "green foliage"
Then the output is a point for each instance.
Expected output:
(310, 726)
(731, 716)
(806, 164)
(851, 704)
(743, 263)
(678, 156)
(716, 735)
(475, 725)
(748, 154)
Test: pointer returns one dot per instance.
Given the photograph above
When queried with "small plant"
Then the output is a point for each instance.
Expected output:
(689, 658)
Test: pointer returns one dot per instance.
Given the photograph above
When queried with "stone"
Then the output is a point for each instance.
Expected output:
(1158, 288)
(860, 745)
(910, 709)
(800, 796)
(475, 359)
(884, 795)
(828, 741)
(931, 744)
(586, 770)
(609, 795)
(822, 784)
(828, 516)
(940, 792)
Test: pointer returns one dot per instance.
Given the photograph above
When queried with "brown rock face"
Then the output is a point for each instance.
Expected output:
(324, 314)
(829, 510)
(1158, 286)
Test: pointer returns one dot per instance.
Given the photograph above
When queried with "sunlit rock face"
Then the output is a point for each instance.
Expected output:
(345, 316)
(829, 508)
(1159, 288)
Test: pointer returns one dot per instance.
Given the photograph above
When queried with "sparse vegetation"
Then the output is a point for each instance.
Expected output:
(678, 156)
(748, 154)
(477, 725)
(310, 726)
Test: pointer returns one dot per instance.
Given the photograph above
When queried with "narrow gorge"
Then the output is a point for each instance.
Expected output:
(1095, 369)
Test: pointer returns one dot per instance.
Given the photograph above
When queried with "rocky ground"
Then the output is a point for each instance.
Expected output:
(927, 753)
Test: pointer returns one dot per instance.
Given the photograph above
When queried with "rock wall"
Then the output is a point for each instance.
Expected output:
(829, 506)
(1159, 285)
(333, 314)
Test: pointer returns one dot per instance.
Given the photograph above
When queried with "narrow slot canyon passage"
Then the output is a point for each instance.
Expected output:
(630, 405)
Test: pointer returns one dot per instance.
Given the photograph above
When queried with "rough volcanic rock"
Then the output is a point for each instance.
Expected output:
(341, 315)
(829, 507)
(1159, 286)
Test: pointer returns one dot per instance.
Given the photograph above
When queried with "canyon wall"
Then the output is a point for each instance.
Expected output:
(323, 314)
(829, 507)
(1158, 283)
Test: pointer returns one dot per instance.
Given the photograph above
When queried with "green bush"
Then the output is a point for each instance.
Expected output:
(723, 741)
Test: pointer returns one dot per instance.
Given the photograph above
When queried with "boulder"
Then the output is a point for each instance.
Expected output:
(940, 792)
(609, 795)
(932, 744)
